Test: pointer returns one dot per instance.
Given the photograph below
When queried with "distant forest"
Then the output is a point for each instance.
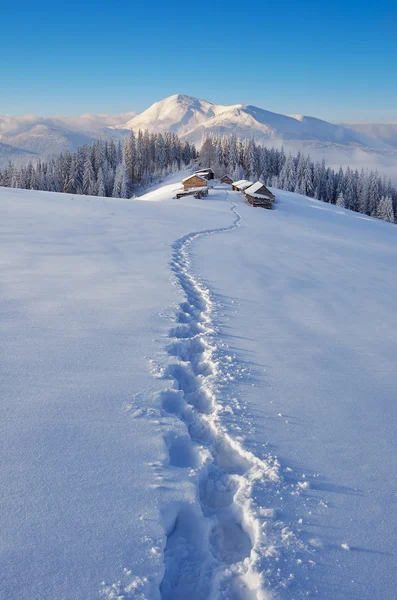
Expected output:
(364, 192)
(107, 168)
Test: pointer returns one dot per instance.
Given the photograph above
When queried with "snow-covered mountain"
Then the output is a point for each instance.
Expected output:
(191, 117)
(178, 113)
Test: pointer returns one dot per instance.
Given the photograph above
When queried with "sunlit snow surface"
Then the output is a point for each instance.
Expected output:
(196, 415)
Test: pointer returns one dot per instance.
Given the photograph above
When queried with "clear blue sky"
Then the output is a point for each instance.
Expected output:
(332, 59)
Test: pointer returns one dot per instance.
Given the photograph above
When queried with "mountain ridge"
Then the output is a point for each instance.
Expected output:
(191, 117)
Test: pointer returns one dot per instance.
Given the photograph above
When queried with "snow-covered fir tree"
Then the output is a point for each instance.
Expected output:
(340, 201)
(385, 209)
(106, 168)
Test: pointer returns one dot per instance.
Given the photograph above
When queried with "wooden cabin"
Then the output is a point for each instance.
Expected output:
(241, 185)
(260, 188)
(226, 179)
(259, 195)
(207, 173)
(194, 181)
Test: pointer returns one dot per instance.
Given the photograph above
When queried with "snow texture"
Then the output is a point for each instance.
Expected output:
(198, 398)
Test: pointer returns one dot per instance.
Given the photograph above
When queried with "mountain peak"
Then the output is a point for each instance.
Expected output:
(179, 113)
(183, 98)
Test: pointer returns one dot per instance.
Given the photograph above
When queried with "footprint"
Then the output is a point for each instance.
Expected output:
(230, 544)
(172, 401)
(181, 451)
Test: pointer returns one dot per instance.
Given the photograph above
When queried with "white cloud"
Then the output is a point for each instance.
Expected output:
(11, 125)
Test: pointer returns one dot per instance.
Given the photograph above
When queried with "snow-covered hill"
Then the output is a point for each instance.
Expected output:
(17, 155)
(45, 141)
(198, 398)
(31, 137)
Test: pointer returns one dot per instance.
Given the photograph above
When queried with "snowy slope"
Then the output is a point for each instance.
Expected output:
(45, 141)
(85, 290)
(198, 399)
(8, 152)
(312, 304)
(249, 121)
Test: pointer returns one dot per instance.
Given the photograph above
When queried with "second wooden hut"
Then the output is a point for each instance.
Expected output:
(258, 195)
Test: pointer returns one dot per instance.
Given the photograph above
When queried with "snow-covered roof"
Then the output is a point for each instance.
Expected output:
(254, 189)
(190, 177)
(242, 184)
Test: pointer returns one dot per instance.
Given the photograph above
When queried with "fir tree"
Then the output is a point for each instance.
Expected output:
(101, 190)
(340, 201)
(385, 209)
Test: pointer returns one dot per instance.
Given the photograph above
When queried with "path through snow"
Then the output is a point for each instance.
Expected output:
(211, 549)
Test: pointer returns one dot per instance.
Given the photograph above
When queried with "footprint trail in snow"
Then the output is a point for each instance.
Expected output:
(213, 548)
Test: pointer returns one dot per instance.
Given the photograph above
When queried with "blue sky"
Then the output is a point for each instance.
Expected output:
(332, 59)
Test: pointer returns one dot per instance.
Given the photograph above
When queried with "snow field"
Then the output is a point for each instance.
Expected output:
(309, 288)
(206, 418)
(85, 290)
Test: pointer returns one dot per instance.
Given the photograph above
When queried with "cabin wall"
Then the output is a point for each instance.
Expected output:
(265, 203)
(194, 181)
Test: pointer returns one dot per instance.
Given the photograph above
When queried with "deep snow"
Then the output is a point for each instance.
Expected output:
(311, 309)
(198, 399)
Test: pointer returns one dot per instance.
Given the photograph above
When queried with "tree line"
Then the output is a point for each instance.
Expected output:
(364, 192)
(106, 168)
(116, 169)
